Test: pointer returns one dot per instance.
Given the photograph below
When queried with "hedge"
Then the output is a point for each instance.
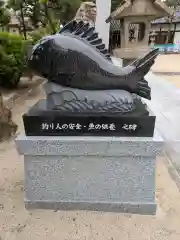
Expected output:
(13, 50)
(13, 55)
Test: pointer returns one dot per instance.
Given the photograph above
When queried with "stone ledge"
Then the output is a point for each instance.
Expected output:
(173, 169)
(133, 208)
(166, 73)
(89, 146)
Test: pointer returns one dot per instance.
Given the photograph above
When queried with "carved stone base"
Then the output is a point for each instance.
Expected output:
(77, 100)
(111, 174)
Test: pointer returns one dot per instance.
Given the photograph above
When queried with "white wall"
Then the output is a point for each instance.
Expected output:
(177, 38)
(177, 26)
(103, 12)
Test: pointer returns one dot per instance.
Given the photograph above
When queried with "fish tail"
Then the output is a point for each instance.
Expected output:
(142, 67)
(140, 60)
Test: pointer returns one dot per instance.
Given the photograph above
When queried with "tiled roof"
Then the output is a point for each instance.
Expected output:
(128, 8)
(115, 24)
(166, 19)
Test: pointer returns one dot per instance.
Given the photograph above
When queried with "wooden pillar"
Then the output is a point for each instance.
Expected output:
(103, 12)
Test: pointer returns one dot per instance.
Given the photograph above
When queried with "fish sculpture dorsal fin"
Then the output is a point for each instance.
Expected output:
(88, 33)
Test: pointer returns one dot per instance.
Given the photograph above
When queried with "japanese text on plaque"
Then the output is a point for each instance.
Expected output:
(77, 126)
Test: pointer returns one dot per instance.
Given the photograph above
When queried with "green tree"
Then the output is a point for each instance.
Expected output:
(174, 5)
(49, 14)
(115, 4)
(45, 12)
(65, 10)
(18, 7)
(34, 11)
(4, 15)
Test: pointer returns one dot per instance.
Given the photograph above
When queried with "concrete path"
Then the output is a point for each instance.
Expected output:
(165, 104)
(166, 63)
(18, 224)
(174, 79)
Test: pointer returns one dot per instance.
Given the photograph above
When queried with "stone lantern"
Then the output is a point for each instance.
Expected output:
(135, 17)
(152, 38)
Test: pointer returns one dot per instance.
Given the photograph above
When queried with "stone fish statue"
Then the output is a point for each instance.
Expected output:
(82, 77)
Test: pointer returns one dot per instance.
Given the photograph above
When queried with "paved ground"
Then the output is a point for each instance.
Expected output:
(165, 104)
(18, 224)
(10, 96)
(174, 79)
(169, 68)
(167, 63)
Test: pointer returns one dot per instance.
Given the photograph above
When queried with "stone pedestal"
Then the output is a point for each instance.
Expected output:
(115, 174)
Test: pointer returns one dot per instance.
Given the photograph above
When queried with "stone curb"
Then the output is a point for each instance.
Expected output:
(166, 73)
(9, 103)
(172, 170)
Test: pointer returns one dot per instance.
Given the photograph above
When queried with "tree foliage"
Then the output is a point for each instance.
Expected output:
(115, 4)
(65, 9)
(18, 7)
(43, 12)
(12, 58)
(172, 3)
(4, 14)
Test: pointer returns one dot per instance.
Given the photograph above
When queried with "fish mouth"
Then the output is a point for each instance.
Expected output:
(37, 65)
(38, 61)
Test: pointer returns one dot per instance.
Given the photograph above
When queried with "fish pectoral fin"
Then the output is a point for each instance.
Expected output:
(91, 75)
(63, 78)
(65, 74)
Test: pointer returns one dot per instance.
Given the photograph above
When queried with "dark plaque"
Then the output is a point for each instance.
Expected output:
(42, 122)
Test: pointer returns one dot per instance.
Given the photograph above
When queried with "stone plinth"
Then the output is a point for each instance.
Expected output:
(115, 174)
